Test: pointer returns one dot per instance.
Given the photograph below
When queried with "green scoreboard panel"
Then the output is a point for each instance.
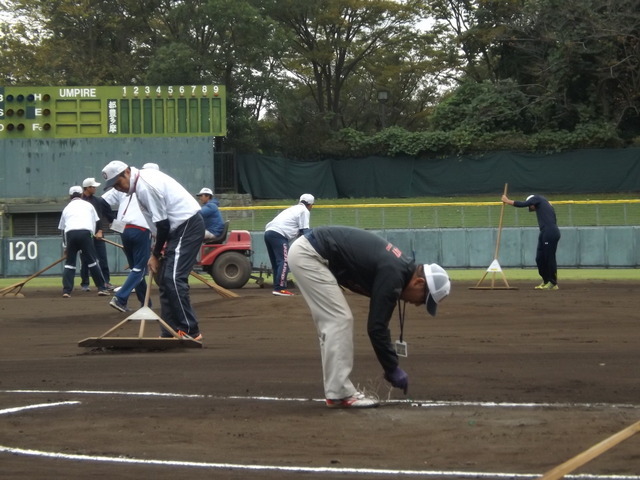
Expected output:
(122, 111)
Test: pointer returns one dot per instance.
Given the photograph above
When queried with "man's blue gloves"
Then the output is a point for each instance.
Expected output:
(398, 378)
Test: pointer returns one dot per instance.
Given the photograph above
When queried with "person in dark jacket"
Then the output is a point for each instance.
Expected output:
(327, 258)
(547, 239)
(89, 186)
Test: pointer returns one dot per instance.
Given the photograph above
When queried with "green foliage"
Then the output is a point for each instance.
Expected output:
(484, 107)
(173, 64)
(395, 141)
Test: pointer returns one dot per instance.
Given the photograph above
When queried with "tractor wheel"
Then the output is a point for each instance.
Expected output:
(231, 270)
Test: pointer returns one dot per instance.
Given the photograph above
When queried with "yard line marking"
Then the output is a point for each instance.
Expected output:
(110, 392)
(330, 470)
(31, 407)
(410, 402)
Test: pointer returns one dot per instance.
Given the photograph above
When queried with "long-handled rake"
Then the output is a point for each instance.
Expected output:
(143, 315)
(18, 286)
(495, 268)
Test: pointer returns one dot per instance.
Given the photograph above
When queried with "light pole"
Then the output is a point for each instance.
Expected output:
(383, 97)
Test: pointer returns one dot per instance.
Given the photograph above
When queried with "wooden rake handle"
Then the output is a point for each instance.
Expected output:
(589, 454)
(495, 255)
(21, 283)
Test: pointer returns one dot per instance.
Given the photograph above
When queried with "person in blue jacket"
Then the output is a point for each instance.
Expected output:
(213, 221)
(547, 239)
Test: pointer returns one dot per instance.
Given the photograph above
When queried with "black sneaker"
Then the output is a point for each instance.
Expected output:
(121, 307)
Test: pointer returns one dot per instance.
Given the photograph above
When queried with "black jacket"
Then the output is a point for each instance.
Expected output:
(545, 213)
(104, 211)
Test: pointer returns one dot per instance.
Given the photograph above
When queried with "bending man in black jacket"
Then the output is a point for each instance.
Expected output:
(326, 258)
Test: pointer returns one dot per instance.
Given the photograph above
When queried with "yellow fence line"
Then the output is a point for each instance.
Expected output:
(434, 204)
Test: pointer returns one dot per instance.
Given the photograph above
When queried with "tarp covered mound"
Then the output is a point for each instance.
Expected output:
(580, 171)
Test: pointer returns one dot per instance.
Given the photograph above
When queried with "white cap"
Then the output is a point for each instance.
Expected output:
(75, 189)
(438, 286)
(90, 182)
(204, 191)
(111, 171)
(307, 198)
(153, 166)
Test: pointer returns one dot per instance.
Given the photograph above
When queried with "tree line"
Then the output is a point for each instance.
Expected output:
(344, 78)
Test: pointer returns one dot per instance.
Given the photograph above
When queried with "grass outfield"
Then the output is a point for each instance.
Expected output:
(456, 275)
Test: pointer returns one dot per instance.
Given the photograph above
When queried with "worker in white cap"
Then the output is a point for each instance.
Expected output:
(213, 221)
(548, 238)
(89, 186)
(329, 258)
(79, 222)
(174, 215)
(285, 227)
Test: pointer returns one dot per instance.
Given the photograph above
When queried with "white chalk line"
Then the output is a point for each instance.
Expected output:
(331, 470)
(296, 469)
(6, 411)
(412, 403)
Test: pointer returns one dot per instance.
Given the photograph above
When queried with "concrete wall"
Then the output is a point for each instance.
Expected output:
(45, 169)
(580, 247)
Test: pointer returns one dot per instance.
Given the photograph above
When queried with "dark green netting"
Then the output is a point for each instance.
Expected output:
(583, 171)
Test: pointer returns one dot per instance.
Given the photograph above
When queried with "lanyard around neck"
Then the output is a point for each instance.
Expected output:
(402, 306)
(135, 184)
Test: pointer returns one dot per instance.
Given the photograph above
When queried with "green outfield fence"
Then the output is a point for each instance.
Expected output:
(570, 213)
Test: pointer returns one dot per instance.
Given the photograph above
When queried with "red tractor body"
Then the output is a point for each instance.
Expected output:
(229, 263)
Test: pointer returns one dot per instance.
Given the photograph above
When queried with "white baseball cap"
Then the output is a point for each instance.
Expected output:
(153, 166)
(90, 182)
(75, 189)
(204, 191)
(438, 286)
(111, 171)
(307, 198)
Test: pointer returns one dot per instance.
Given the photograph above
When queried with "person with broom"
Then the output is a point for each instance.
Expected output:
(175, 216)
(136, 244)
(547, 239)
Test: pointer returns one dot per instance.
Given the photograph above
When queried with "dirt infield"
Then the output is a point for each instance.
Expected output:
(503, 384)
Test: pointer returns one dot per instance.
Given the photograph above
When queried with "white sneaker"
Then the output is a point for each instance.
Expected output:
(283, 293)
(357, 400)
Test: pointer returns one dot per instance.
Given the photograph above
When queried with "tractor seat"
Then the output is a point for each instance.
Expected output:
(220, 238)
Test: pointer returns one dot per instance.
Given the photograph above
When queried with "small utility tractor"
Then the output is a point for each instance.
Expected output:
(229, 261)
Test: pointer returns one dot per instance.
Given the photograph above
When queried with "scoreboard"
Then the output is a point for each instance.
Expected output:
(114, 111)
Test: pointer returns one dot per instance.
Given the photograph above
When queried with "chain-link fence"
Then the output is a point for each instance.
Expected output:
(444, 215)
